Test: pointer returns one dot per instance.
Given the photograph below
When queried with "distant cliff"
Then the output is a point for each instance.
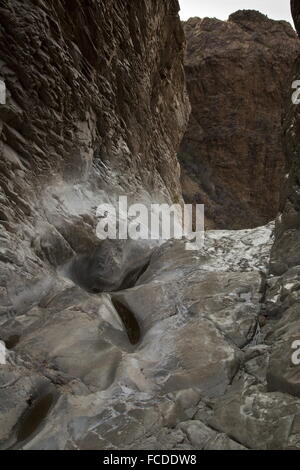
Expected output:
(232, 156)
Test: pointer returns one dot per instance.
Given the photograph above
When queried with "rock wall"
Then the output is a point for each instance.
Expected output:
(95, 107)
(232, 155)
(283, 294)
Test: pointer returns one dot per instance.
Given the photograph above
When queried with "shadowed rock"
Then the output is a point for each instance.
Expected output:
(232, 155)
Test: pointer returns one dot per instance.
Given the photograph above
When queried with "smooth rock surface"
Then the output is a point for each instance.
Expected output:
(196, 322)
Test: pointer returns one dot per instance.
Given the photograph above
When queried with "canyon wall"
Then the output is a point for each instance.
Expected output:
(129, 346)
(95, 108)
(283, 300)
(232, 155)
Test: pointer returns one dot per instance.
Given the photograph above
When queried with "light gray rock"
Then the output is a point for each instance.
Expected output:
(204, 438)
(256, 418)
(194, 322)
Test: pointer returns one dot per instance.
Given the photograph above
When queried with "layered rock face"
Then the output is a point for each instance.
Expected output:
(95, 108)
(232, 155)
(278, 359)
(283, 295)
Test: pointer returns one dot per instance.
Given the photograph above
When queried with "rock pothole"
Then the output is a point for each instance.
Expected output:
(34, 416)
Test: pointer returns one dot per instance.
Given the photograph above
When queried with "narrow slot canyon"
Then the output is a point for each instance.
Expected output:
(131, 343)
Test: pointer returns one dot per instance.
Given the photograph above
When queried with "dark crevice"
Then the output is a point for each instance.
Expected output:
(34, 417)
(100, 272)
(129, 321)
(12, 341)
(134, 276)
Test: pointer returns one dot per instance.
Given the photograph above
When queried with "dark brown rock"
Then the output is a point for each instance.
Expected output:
(295, 7)
(232, 156)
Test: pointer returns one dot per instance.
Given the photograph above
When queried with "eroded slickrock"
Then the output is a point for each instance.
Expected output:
(198, 320)
(232, 155)
(95, 108)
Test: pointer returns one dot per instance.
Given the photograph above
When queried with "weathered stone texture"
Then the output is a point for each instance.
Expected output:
(232, 155)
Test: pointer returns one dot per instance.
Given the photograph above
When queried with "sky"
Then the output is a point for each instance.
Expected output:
(275, 9)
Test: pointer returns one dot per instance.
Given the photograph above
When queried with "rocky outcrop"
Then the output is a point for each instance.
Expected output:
(94, 389)
(276, 372)
(93, 106)
(283, 294)
(232, 155)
